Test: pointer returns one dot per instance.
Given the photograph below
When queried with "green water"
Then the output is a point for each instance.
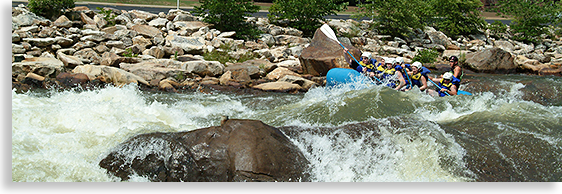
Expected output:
(509, 130)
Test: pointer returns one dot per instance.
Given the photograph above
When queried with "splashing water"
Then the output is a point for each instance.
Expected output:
(348, 133)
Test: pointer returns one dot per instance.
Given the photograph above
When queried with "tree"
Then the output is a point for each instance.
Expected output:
(530, 17)
(396, 17)
(458, 17)
(228, 15)
(400, 17)
(50, 9)
(305, 15)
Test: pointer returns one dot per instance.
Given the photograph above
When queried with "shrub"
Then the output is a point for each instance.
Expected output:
(228, 15)
(458, 17)
(108, 16)
(426, 56)
(221, 55)
(530, 18)
(50, 9)
(305, 15)
(497, 28)
(396, 17)
(400, 17)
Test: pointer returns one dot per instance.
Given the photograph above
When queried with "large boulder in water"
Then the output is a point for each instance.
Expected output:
(238, 150)
(493, 60)
(324, 54)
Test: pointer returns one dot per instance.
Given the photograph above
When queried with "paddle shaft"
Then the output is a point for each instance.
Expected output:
(356, 60)
(438, 86)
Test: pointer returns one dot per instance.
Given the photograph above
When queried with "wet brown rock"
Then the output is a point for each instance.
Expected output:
(238, 150)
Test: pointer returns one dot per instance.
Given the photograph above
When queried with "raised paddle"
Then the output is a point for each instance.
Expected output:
(331, 35)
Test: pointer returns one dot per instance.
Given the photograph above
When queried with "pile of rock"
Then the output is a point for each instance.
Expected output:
(153, 50)
(485, 53)
(164, 51)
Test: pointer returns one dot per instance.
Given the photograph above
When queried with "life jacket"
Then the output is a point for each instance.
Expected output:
(416, 78)
(390, 71)
(370, 67)
(455, 81)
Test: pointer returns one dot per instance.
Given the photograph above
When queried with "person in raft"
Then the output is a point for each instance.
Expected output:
(448, 84)
(418, 76)
(456, 69)
(400, 67)
(366, 64)
(388, 73)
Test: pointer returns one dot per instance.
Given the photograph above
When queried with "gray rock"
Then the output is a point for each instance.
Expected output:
(108, 74)
(40, 42)
(43, 66)
(494, 60)
(158, 22)
(188, 44)
(204, 68)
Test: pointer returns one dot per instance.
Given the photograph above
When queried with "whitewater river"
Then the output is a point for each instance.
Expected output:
(509, 130)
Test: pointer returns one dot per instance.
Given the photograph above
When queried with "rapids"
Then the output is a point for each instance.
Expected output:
(509, 130)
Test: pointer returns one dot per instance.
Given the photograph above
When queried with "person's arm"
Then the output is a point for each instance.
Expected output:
(452, 91)
(434, 79)
(457, 71)
(401, 79)
(424, 83)
(345, 50)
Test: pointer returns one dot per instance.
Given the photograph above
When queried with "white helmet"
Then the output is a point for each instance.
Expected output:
(417, 65)
(389, 60)
(448, 75)
(399, 60)
(366, 54)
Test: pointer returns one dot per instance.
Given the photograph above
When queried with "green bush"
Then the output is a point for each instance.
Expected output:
(458, 17)
(426, 56)
(228, 15)
(305, 15)
(50, 9)
(497, 28)
(530, 18)
(221, 55)
(396, 17)
(400, 17)
(108, 16)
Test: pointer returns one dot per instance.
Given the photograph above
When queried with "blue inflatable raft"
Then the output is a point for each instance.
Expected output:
(337, 76)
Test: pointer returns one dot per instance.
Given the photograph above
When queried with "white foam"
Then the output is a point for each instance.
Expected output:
(62, 136)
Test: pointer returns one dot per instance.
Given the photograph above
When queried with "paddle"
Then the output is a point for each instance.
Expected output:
(331, 35)
(438, 86)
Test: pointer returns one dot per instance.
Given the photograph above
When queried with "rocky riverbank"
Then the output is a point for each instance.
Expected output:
(165, 52)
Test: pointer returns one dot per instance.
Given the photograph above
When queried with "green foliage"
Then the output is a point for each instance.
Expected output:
(305, 15)
(458, 17)
(228, 15)
(530, 18)
(426, 56)
(396, 17)
(129, 53)
(400, 17)
(497, 28)
(221, 55)
(50, 9)
(108, 16)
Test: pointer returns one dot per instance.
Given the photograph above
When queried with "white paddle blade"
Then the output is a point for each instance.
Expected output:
(329, 32)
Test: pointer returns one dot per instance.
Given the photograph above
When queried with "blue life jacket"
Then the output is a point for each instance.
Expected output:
(416, 78)
(369, 67)
(455, 82)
